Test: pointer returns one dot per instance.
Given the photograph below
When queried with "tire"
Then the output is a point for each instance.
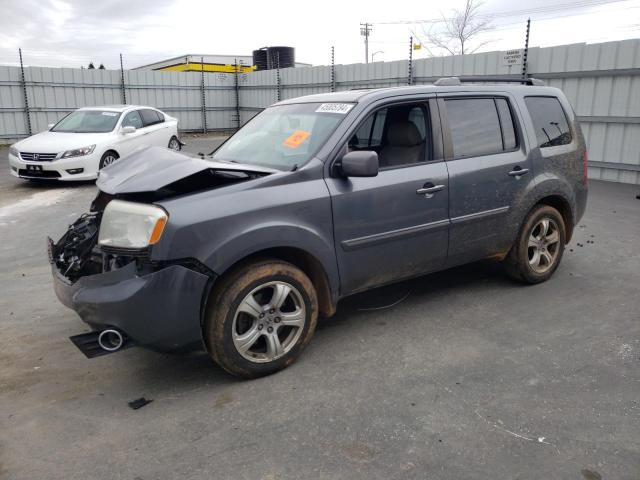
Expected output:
(538, 250)
(246, 329)
(174, 144)
(107, 159)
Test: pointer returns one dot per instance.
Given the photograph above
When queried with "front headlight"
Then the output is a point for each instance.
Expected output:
(78, 152)
(131, 225)
(14, 151)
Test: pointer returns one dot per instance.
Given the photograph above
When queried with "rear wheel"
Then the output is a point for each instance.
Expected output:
(260, 318)
(538, 250)
(174, 144)
(108, 158)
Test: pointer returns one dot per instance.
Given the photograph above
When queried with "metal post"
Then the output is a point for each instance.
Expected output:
(122, 87)
(333, 70)
(278, 82)
(203, 97)
(237, 88)
(365, 30)
(24, 91)
(410, 67)
(526, 51)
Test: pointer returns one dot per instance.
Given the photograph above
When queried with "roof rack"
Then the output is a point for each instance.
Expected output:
(454, 81)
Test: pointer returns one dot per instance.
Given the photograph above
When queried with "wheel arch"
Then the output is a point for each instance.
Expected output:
(305, 261)
(560, 203)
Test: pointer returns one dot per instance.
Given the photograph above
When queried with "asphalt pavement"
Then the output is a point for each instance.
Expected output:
(462, 374)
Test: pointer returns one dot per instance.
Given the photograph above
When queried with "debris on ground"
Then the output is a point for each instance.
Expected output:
(139, 403)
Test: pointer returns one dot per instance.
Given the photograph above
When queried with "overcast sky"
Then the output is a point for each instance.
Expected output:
(71, 33)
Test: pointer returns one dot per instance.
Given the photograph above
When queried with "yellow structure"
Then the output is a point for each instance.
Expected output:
(207, 67)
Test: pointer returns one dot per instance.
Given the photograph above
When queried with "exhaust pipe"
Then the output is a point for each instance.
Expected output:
(110, 340)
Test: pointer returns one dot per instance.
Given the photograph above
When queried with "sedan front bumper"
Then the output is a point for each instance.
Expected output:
(160, 310)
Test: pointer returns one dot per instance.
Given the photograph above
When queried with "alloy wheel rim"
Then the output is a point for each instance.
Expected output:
(268, 322)
(108, 160)
(543, 245)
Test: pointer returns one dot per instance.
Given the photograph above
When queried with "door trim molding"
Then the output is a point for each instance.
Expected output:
(479, 215)
(392, 235)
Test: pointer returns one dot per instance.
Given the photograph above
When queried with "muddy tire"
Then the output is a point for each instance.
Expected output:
(538, 250)
(260, 318)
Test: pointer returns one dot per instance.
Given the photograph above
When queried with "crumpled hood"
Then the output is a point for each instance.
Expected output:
(153, 168)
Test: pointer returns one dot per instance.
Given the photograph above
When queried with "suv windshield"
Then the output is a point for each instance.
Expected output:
(88, 121)
(283, 136)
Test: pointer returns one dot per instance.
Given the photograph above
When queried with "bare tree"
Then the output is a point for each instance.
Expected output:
(456, 34)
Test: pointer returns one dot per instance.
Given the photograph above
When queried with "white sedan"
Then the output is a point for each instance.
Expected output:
(89, 139)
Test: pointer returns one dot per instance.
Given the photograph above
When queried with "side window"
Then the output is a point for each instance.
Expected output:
(369, 133)
(149, 117)
(475, 127)
(509, 140)
(132, 119)
(549, 121)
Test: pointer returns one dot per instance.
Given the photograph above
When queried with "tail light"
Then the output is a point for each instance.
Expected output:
(585, 162)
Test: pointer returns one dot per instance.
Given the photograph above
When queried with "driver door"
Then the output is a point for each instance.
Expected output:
(394, 225)
(128, 143)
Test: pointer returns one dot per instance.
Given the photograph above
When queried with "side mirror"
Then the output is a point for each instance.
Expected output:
(360, 164)
(128, 129)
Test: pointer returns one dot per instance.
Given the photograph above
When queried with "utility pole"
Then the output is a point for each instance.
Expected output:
(365, 30)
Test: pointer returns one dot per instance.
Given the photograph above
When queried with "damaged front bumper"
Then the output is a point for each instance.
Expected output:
(160, 309)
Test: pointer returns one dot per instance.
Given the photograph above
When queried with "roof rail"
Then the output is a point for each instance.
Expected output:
(454, 81)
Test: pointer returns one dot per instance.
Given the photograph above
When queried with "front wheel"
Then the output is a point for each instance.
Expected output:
(538, 249)
(260, 318)
(107, 159)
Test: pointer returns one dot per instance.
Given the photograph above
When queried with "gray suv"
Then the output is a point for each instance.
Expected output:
(314, 199)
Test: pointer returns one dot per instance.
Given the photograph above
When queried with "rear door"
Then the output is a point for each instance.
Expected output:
(155, 127)
(489, 172)
(389, 227)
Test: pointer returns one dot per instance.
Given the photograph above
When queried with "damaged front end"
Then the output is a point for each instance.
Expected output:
(122, 294)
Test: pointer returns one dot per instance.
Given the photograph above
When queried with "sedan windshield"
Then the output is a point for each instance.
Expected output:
(88, 121)
(284, 136)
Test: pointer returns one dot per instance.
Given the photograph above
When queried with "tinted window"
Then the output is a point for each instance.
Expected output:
(416, 116)
(149, 117)
(369, 133)
(132, 119)
(506, 120)
(549, 121)
(475, 128)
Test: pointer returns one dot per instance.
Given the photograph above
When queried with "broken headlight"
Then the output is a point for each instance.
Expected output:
(131, 225)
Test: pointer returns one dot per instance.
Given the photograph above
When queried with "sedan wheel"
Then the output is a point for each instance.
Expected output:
(107, 159)
(174, 144)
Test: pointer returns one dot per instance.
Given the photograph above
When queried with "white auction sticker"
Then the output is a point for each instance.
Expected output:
(110, 114)
(342, 108)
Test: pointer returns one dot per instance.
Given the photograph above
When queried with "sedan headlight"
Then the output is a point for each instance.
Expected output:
(14, 151)
(131, 225)
(79, 152)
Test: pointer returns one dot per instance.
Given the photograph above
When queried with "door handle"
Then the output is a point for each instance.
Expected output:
(517, 171)
(429, 189)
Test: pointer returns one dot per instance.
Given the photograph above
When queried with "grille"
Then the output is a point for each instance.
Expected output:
(38, 157)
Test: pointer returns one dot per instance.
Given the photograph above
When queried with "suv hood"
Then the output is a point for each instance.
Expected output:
(154, 168)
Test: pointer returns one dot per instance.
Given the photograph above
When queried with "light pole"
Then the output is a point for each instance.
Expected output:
(374, 54)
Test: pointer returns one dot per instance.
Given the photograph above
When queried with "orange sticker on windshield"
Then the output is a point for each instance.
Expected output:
(296, 139)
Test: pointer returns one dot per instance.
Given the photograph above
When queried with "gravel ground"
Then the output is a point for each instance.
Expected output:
(471, 376)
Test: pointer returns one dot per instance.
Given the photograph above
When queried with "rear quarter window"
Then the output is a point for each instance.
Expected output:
(549, 121)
